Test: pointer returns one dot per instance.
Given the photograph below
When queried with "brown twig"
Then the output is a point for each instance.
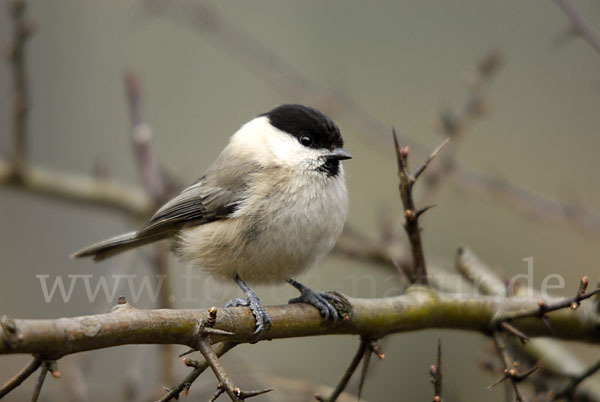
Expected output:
(523, 201)
(543, 308)
(363, 373)
(506, 327)
(79, 189)
(211, 359)
(341, 385)
(578, 25)
(220, 390)
(510, 372)
(235, 393)
(15, 381)
(455, 124)
(38, 385)
(22, 30)
(568, 391)
(435, 371)
(411, 214)
(152, 176)
(199, 367)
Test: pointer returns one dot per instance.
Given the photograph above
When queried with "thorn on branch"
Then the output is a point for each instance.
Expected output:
(218, 393)
(431, 157)
(515, 332)
(187, 352)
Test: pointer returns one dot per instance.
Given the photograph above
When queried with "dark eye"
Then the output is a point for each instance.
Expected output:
(306, 140)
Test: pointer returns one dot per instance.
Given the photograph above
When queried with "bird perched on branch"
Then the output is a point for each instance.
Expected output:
(272, 205)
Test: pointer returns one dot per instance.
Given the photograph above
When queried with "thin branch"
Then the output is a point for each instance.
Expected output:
(523, 201)
(40, 381)
(235, 393)
(213, 361)
(339, 388)
(15, 381)
(510, 372)
(430, 158)
(151, 174)
(506, 327)
(22, 30)
(79, 189)
(578, 25)
(199, 367)
(411, 215)
(435, 371)
(569, 390)
(363, 373)
(543, 308)
(455, 124)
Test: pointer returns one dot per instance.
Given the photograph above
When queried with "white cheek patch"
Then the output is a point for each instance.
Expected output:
(289, 152)
(271, 145)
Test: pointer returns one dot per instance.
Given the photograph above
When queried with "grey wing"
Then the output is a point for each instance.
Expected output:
(198, 204)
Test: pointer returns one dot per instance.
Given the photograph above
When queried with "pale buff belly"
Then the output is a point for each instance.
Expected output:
(277, 253)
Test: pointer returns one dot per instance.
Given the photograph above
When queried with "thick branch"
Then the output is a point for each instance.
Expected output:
(420, 308)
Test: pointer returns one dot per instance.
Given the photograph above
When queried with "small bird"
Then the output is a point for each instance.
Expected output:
(272, 205)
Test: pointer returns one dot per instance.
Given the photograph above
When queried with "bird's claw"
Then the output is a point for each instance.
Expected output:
(322, 301)
(262, 318)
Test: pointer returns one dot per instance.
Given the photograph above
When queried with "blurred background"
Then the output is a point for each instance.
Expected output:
(205, 68)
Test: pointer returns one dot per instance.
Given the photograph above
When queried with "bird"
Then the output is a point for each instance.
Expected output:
(270, 206)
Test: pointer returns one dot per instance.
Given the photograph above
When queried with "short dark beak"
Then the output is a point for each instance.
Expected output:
(338, 154)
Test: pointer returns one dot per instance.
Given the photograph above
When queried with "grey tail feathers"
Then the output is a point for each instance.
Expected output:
(116, 245)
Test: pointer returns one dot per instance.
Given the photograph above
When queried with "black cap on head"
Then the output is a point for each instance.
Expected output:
(300, 121)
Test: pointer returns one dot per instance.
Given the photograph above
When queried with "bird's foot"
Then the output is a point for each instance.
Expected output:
(262, 318)
(322, 301)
